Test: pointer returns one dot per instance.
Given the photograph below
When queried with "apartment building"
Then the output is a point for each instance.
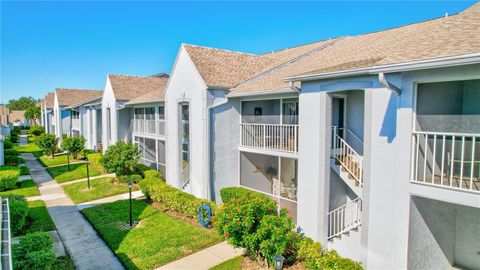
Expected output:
(65, 120)
(87, 121)
(47, 112)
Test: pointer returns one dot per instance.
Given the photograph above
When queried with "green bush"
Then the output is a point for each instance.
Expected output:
(12, 160)
(7, 144)
(134, 178)
(48, 143)
(141, 169)
(152, 173)
(37, 130)
(34, 251)
(172, 198)
(240, 218)
(8, 179)
(234, 193)
(315, 257)
(14, 137)
(74, 145)
(11, 152)
(94, 160)
(18, 212)
(120, 158)
(86, 152)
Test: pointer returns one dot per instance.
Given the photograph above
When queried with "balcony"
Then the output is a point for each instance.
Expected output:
(446, 159)
(148, 127)
(276, 137)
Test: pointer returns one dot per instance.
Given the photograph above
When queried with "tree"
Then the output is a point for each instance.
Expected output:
(48, 143)
(37, 131)
(120, 158)
(74, 145)
(21, 104)
(33, 114)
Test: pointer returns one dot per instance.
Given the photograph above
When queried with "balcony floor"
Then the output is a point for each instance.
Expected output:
(456, 182)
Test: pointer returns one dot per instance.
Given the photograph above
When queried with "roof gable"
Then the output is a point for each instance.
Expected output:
(129, 87)
(68, 97)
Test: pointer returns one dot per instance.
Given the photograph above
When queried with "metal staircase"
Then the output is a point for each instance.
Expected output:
(344, 219)
(5, 247)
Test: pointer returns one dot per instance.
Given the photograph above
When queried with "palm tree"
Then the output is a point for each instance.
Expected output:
(33, 114)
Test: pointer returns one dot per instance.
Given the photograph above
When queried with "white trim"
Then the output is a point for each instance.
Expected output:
(264, 92)
(275, 153)
(450, 61)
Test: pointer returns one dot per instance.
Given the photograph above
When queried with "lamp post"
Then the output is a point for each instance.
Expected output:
(278, 259)
(68, 160)
(88, 174)
(130, 200)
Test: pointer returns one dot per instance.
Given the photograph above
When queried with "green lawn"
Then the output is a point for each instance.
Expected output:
(232, 264)
(38, 218)
(99, 188)
(77, 171)
(26, 188)
(157, 240)
(63, 263)
(48, 161)
(24, 170)
(29, 148)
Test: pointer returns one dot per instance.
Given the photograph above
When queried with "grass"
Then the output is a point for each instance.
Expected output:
(158, 239)
(38, 218)
(61, 159)
(77, 171)
(63, 263)
(29, 148)
(24, 170)
(99, 188)
(232, 264)
(25, 188)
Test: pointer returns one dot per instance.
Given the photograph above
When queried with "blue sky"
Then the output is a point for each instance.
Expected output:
(76, 44)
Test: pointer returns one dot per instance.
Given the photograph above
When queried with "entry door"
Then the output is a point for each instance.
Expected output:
(338, 114)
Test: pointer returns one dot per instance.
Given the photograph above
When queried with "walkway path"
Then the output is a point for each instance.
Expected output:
(114, 198)
(86, 248)
(205, 258)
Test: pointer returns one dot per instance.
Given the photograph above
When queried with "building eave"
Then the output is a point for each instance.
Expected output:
(287, 90)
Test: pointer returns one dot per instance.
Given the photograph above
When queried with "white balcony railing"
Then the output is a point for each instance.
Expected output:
(446, 159)
(269, 137)
(344, 154)
(148, 127)
(76, 123)
(344, 218)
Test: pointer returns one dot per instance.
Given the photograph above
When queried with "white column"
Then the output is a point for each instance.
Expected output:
(94, 128)
(314, 163)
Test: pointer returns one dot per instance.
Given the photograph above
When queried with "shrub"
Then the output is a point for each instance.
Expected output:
(11, 152)
(233, 193)
(8, 179)
(18, 212)
(7, 144)
(240, 218)
(86, 152)
(14, 137)
(152, 173)
(172, 198)
(141, 169)
(134, 178)
(34, 251)
(37, 130)
(12, 160)
(48, 143)
(94, 160)
(120, 158)
(74, 145)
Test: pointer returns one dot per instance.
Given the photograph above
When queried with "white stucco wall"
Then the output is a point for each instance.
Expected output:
(109, 101)
(186, 85)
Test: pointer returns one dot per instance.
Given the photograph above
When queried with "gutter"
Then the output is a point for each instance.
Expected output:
(287, 90)
(451, 61)
(209, 145)
(144, 102)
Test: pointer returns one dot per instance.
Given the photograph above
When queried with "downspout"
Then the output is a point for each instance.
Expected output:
(209, 155)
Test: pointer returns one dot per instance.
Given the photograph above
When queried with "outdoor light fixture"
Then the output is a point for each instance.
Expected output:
(278, 259)
(130, 199)
(88, 173)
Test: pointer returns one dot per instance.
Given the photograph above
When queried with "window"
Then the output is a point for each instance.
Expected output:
(184, 142)
(161, 112)
(161, 156)
(138, 113)
(290, 111)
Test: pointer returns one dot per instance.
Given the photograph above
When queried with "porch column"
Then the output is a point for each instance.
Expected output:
(314, 163)
(380, 169)
(93, 126)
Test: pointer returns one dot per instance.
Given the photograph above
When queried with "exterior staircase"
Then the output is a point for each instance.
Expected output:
(348, 164)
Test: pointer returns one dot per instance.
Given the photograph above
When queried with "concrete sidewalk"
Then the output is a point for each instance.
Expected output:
(85, 179)
(85, 247)
(205, 258)
(114, 198)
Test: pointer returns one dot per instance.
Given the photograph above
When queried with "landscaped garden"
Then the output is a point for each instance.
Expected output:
(99, 188)
(159, 238)
(25, 188)
(77, 171)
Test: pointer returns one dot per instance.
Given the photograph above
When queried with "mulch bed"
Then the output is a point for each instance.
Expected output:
(249, 264)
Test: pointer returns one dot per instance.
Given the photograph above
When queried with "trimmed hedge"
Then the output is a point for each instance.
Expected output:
(152, 173)
(7, 144)
(12, 160)
(8, 178)
(134, 178)
(94, 160)
(11, 152)
(230, 194)
(34, 251)
(18, 212)
(141, 169)
(172, 198)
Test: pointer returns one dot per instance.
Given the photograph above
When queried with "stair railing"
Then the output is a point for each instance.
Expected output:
(344, 218)
(350, 160)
